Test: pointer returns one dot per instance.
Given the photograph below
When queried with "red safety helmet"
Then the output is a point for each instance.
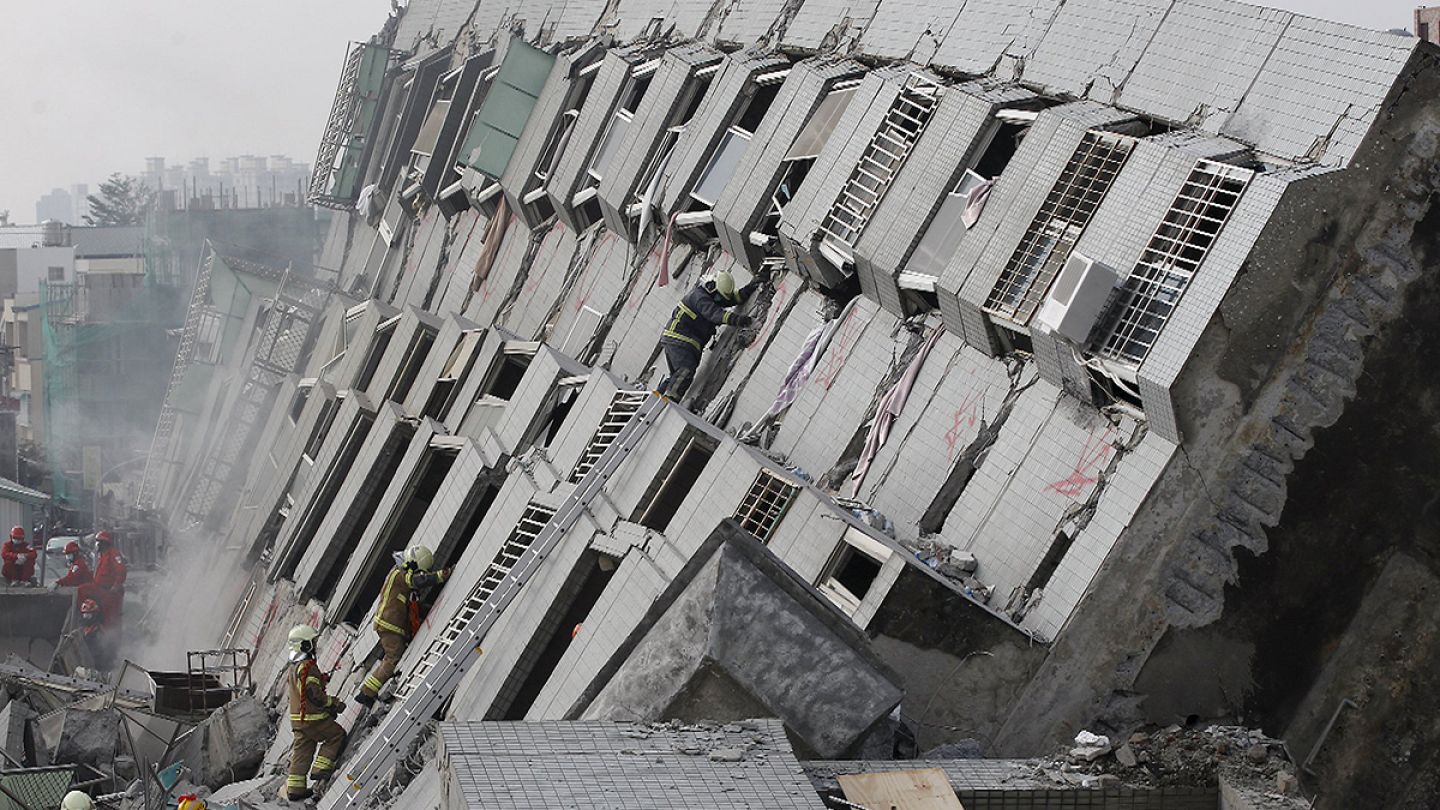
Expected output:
(72, 547)
(103, 536)
(17, 533)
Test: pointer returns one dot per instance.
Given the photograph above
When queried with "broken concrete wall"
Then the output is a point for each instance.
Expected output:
(727, 635)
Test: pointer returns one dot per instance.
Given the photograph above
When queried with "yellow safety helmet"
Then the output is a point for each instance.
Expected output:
(724, 283)
(420, 556)
(77, 800)
(302, 638)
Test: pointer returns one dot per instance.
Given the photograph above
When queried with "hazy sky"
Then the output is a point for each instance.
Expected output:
(95, 86)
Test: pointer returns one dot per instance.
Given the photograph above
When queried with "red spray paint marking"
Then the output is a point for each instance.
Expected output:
(839, 348)
(1087, 470)
(777, 305)
(964, 417)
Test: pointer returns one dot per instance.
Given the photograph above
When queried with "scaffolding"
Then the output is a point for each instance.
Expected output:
(345, 145)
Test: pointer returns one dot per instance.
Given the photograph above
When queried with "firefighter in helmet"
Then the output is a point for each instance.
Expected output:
(312, 717)
(79, 571)
(397, 615)
(707, 307)
(19, 559)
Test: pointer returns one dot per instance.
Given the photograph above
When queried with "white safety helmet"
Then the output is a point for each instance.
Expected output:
(420, 556)
(77, 800)
(302, 639)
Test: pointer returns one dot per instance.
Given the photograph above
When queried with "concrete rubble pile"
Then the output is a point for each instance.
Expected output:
(1059, 383)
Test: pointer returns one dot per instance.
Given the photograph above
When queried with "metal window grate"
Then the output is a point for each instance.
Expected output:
(765, 505)
(1148, 297)
(908, 116)
(1056, 229)
(526, 530)
(621, 409)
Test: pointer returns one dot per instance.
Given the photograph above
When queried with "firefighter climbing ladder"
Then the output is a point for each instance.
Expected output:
(442, 667)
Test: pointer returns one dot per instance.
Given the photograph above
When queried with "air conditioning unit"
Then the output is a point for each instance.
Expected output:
(1077, 298)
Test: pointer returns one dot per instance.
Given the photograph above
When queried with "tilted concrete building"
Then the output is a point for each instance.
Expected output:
(1131, 286)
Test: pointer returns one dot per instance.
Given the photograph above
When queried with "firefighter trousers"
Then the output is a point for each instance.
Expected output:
(394, 646)
(326, 735)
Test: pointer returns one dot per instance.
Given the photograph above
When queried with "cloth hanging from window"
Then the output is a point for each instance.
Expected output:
(490, 242)
(975, 203)
(888, 411)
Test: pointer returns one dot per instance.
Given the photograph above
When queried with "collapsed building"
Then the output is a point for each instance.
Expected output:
(1090, 335)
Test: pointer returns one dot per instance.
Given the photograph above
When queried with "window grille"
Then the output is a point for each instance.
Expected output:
(765, 505)
(904, 123)
(531, 523)
(1186, 234)
(622, 407)
(1056, 228)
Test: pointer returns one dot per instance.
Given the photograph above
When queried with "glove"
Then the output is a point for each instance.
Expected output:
(741, 321)
(338, 707)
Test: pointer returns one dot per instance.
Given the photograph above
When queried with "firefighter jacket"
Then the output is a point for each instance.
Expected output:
(698, 315)
(79, 574)
(309, 702)
(402, 587)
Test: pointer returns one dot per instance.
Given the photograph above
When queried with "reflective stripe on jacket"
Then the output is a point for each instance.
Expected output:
(696, 318)
(392, 615)
(308, 700)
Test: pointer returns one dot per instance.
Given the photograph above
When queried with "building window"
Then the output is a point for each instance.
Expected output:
(1183, 240)
(676, 481)
(765, 505)
(852, 569)
(1424, 31)
(726, 157)
(905, 122)
(55, 275)
(208, 331)
(461, 359)
(807, 147)
(1057, 227)
(623, 406)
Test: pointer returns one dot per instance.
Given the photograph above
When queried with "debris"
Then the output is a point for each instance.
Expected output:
(727, 755)
(1090, 747)
(230, 744)
(88, 737)
(1125, 755)
(1257, 754)
(1286, 783)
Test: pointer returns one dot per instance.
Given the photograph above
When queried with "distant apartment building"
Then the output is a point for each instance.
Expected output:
(57, 205)
(1427, 24)
(246, 181)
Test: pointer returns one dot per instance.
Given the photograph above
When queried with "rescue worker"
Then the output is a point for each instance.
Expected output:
(97, 638)
(703, 310)
(77, 800)
(312, 717)
(397, 615)
(79, 572)
(19, 557)
(108, 584)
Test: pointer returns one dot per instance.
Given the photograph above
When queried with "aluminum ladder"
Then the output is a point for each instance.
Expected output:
(165, 426)
(443, 669)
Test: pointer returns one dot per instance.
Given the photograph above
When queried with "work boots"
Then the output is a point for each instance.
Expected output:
(299, 794)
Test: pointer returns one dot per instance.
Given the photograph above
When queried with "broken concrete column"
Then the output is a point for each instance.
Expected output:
(230, 744)
(88, 738)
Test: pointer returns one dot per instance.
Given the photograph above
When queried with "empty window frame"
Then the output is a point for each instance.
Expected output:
(563, 399)
(378, 344)
(505, 373)
(1149, 295)
(322, 428)
(457, 366)
(904, 123)
(623, 406)
(647, 190)
(852, 569)
(941, 237)
(559, 137)
(521, 538)
(415, 353)
(1057, 226)
(676, 480)
(297, 402)
(619, 127)
(801, 156)
(763, 507)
